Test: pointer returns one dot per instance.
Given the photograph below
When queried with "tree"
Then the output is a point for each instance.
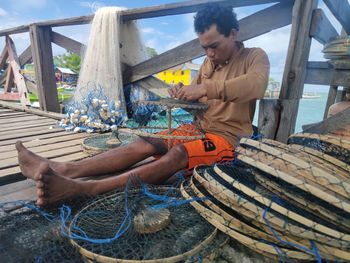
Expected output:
(151, 52)
(68, 60)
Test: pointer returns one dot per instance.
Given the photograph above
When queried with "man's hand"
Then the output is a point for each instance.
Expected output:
(190, 92)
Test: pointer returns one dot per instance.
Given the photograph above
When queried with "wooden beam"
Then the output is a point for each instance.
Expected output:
(31, 86)
(3, 57)
(9, 80)
(295, 67)
(341, 10)
(40, 38)
(322, 73)
(26, 56)
(154, 85)
(332, 93)
(67, 43)
(18, 78)
(321, 29)
(269, 114)
(333, 123)
(140, 13)
(264, 21)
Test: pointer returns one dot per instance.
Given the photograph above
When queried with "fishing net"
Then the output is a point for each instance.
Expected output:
(282, 201)
(168, 119)
(152, 224)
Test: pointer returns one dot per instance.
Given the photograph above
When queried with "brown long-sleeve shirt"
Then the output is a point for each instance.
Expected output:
(230, 91)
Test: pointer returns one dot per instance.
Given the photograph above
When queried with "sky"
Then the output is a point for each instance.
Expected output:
(161, 33)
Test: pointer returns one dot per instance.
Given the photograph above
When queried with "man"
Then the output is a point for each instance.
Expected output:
(230, 80)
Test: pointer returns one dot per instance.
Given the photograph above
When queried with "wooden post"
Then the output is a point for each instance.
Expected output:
(40, 38)
(295, 67)
(269, 114)
(332, 93)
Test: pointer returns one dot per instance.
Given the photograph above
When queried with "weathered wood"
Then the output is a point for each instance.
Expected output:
(295, 67)
(340, 96)
(330, 100)
(341, 10)
(154, 85)
(331, 124)
(26, 56)
(321, 28)
(31, 86)
(3, 57)
(3, 76)
(54, 115)
(264, 21)
(18, 78)
(44, 68)
(139, 13)
(269, 111)
(67, 43)
(9, 80)
(321, 73)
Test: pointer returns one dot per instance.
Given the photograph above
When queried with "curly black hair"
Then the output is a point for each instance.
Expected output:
(223, 16)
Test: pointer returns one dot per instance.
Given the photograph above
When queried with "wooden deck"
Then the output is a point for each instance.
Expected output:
(41, 135)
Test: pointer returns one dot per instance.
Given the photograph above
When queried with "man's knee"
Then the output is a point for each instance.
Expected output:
(177, 156)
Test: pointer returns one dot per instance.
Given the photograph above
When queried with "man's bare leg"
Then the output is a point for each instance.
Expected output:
(52, 187)
(112, 161)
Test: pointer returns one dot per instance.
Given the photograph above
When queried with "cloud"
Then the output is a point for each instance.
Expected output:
(2, 12)
(148, 30)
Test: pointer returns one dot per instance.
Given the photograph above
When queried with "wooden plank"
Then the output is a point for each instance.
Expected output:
(22, 127)
(13, 161)
(9, 83)
(26, 56)
(31, 86)
(269, 114)
(29, 123)
(13, 174)
(19, 119)
(330, 99)
(67, 43)
(15, 188)
(321, 28)
(53, 115)
(12, 114)
(45, 141)
(3, 76)
(22, 132)
(322, 73)
(341, 10)
(40, 38)
(295, 67)
(28, 134)
(139, 13)
(34, 137)
(271, 18)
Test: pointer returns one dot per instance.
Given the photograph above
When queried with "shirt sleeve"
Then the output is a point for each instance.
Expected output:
(246, 87)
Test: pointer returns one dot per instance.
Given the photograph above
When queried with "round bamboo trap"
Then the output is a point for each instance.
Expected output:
(171, 129)
(256, 245)
(306, 169)
(331, 145)
(292, 232)
(186, 236)
(103, 142)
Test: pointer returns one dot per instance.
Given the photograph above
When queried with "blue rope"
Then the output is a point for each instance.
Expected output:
(313, 249)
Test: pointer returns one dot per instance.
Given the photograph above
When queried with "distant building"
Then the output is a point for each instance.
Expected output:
(184, 73)
(66, 75)
(273, 89)
(63, 75)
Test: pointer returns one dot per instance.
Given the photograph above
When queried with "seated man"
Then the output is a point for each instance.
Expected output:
(230, 79)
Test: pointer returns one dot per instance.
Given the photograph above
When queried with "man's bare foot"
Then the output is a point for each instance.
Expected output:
(52, 188)
(30, 163)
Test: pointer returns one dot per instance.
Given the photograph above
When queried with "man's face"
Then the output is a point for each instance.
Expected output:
(217, 47)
